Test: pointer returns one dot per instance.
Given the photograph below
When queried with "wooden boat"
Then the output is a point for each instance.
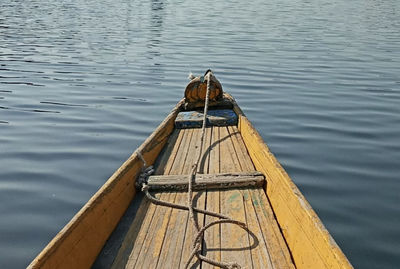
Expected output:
(119, 228)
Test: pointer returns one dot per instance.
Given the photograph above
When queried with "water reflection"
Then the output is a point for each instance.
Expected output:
(156, 26)
(154, 43)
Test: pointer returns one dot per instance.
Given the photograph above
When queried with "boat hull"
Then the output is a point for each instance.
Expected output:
(79, 243)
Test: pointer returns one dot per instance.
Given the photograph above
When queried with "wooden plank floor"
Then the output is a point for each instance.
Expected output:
(161, 237)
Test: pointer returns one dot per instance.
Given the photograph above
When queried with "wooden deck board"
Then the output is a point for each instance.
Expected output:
(233, 248)
(212, 238)
(199, 199)
(150, 257)
(175, 234)
(161, 237)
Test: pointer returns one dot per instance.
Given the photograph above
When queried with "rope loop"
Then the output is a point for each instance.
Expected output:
(144, 176)
(139, 154)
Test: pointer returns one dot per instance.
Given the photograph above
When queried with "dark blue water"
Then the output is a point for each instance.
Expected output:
(83, 83)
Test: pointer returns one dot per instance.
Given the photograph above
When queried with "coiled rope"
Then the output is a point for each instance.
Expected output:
(199, 230)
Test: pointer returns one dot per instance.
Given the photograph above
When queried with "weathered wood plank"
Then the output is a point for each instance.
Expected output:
(244, 158)
(229, 162)
(141, 221)
(181, 179)
(174, 237)
(233, 248)
(205, 158)
(110, 250)
(175, 233)
(164, 163)
(194, 119)
(198, 198)
(204, 181)
(136, 236)
(212, 237)
(180, 159)
(260, 254)
(150, 249)
(166, 169)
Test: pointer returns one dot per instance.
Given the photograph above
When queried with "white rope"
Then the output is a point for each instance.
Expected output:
(139, 154)
(200, 231)
(145, 173)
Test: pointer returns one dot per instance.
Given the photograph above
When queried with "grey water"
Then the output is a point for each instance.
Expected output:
(83, 83)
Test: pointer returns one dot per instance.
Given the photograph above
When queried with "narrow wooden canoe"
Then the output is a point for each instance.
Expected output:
(285, 230)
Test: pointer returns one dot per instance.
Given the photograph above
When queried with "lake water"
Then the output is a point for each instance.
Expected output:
(83, 83)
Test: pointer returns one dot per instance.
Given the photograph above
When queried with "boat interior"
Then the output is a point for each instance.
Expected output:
(155, 236)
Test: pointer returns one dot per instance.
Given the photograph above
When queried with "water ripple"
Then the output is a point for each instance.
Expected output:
(61, 104)
(21, 83)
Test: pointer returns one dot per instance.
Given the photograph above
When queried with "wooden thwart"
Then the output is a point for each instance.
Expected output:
(207, 181)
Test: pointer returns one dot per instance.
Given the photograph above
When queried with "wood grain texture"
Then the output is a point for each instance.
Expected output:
(174, 236)
(212, 237)
(207, 181)
(235, 244)
(198, 199)
(196, 90)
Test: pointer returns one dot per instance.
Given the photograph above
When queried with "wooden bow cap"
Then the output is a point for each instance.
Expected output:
(195, 91)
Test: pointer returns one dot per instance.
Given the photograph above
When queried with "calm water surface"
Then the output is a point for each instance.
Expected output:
(83, 83)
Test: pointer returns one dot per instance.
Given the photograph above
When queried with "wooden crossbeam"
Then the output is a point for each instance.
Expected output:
(207, 181)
